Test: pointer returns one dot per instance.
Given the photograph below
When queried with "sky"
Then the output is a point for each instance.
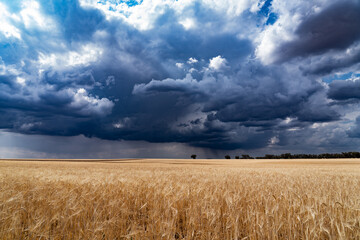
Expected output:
(171, 78)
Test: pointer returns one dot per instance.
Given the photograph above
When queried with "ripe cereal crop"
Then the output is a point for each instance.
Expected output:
(180, 199)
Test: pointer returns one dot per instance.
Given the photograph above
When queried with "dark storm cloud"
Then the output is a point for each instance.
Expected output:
(344, 89)
(100, 76)
(240, 100)
(334, 28)
(332, 64)
(354, 132)
(258, 102)
(181, 44)
(68, 78)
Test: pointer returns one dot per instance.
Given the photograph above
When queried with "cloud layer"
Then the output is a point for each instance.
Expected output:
(240, 75)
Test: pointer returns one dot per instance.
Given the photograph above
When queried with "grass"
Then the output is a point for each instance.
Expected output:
(180, 199)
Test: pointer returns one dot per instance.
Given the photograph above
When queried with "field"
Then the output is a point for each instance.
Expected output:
(180, 199)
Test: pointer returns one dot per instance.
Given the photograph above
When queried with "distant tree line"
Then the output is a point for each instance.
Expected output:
(322, 155)
(297, 156)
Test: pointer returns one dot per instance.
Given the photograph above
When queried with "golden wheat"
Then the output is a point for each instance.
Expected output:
(180, 199)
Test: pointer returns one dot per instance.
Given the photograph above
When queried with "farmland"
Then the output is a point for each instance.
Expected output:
(180, 199)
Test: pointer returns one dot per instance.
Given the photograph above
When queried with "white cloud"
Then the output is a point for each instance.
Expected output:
(188, 23)
(187, 82)
(14, 71)
(218, 63)
(6, 26)
(144, 15)
(122, 123)
(192, 60)
(273, 37)
(8, 69)
(191, 70)
(232, 8)
(87, 104)
(179, 65)
(21, 81)
(86, 55)
(274, 140)
(32, 16)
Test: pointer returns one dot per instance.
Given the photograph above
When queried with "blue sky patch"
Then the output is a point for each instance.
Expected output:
(130, 3)
(266, 11)
(271, 19)
(344, 76)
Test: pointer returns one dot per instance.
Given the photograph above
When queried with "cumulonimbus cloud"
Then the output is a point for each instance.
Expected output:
(200, 73)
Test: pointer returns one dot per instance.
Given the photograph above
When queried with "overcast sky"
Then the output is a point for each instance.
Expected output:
(171, 78)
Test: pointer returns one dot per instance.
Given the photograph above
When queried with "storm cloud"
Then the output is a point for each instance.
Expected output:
(243, 75)
(334, 28)
(345, 90)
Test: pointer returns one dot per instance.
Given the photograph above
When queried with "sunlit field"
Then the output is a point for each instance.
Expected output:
(180, 199)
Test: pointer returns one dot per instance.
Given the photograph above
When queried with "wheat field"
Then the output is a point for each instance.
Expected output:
(180, 199)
